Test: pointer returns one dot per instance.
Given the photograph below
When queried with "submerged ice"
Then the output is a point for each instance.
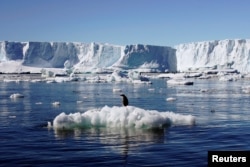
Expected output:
(121, 117)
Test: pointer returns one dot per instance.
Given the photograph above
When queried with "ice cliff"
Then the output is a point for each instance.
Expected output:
(88, 57)
(91, 57)
(217, 54)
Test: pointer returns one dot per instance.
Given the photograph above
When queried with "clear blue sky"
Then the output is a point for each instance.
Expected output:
(156, 22)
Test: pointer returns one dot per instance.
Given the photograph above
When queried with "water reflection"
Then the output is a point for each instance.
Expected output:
(120, 141)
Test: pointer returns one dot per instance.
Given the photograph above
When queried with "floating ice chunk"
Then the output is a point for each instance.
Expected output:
(56, 103)
(179, 82)
(121, 117)
(151, 89)
(172, 75)
(118, 76)
(74, 78)
(16, 95)
(117, 90)
(246, 89)
(61, 79)
(247, 76)
(36, 80)
(49, 125)
(231, 77)
(46, 73)
(95, 79)
(193, 75)
(11, 80)
(225, 78)
(135, 75)
(171, 99)
(205, 77)
(50, 80)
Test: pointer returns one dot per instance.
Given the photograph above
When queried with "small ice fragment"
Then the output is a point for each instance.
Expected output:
(49, 124)
(117, 90)
(16, 95)
(171, 99)
(56, 103)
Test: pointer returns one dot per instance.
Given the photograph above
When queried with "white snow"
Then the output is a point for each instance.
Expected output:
(121, 117)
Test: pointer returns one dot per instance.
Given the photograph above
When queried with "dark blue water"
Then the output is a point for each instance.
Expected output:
(25, 139)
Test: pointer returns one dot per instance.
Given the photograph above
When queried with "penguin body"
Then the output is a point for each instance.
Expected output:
(124, 100)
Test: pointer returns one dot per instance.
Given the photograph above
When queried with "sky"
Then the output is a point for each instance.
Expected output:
(122, 22)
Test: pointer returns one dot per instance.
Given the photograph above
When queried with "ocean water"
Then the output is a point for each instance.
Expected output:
(221, 111)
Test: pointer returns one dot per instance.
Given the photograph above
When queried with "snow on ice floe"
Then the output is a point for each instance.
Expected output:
(121, 117)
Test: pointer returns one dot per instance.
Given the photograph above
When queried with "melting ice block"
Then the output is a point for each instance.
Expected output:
(121, 117)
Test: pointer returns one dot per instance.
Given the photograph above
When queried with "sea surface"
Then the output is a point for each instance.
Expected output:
(221, 110)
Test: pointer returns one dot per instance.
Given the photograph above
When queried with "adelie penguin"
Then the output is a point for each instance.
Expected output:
(124, 100)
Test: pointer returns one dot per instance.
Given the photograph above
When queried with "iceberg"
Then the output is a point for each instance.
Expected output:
(76, 57)
(218, 54)
(84, 58)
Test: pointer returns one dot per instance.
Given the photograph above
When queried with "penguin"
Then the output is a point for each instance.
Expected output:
(124, 100)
